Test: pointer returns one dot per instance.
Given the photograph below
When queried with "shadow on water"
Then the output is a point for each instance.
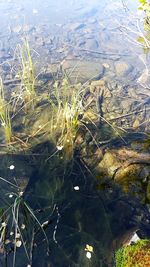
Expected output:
(70, 218)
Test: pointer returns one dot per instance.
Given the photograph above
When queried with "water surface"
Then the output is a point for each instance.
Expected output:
(85, 219)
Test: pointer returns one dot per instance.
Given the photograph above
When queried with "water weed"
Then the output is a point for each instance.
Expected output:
(5, 115)
(19, 226)
(67, 108)
(27, 73)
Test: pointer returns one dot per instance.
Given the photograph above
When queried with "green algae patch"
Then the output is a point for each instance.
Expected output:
(134, 255)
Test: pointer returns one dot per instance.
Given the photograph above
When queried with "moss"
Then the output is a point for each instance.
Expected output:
(136, 255)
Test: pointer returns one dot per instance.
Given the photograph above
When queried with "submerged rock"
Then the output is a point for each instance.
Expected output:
(82, 70)
(100, 88)
(123, 68)
(76, 26)
(109, 164)
(91, 44)
(129, 169)
(144, 77)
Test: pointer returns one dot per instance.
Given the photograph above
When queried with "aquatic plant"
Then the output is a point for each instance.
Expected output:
(145, 6)
(137, 255)
(27, 73)
(4, 114)
(19, 225)
(67, 108)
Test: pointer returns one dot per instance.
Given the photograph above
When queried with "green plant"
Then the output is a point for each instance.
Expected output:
(18, 225)
(137, 255)
(27, 72)
(5, 115)
(145, 6)
(67, 108)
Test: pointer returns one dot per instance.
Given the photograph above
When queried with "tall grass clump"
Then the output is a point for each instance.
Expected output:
(27, 73)
(66, 102)
(5, 115)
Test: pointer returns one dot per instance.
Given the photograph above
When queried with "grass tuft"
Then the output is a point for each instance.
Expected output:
(27, 73)
(5, 115)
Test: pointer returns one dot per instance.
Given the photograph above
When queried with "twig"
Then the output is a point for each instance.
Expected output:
(128, 114)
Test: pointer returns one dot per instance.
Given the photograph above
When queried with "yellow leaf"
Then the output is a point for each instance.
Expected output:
(89, 248)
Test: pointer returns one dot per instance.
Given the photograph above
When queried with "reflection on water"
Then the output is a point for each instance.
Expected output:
(61, 213)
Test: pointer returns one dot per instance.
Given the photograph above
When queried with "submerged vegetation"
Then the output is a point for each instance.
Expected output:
(5, 115)
(26, 73)
(67, 110)
(19, 226)
(145, 6)
(144, 38)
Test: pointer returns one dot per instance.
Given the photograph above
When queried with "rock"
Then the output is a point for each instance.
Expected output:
(5, 55)
(132, 93)
(144, 77)
(89, 116)
(82, 71)
(109, 164)
(91, 44)
(17, 29)
(106, 65)
(127, 174)
(127, 104)
(136, 123)
(99, 87)
(123, 68)
(76, 26)
(49, 72)
(128, 168)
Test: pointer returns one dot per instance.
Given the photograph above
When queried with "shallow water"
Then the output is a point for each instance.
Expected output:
(86, 219)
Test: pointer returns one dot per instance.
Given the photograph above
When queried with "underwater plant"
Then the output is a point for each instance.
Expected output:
(67, 108)
(145, 6)
(19, 226)
(5, 115)
(137, 255)
(27, 73)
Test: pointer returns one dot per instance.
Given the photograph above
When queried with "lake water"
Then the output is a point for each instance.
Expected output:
(63, 209)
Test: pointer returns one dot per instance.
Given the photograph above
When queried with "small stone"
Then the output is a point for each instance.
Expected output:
(59, 147)
(18, 243)
(7, 241)
(144, 78)
(136, 124)
(76, 188)
(134, 239)
(11, 167)
(17, 235)
(76, 26)
(106, 65)
(21, 194)
(88, 255)
(23, 226)
(3, 224)
(123, 68)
